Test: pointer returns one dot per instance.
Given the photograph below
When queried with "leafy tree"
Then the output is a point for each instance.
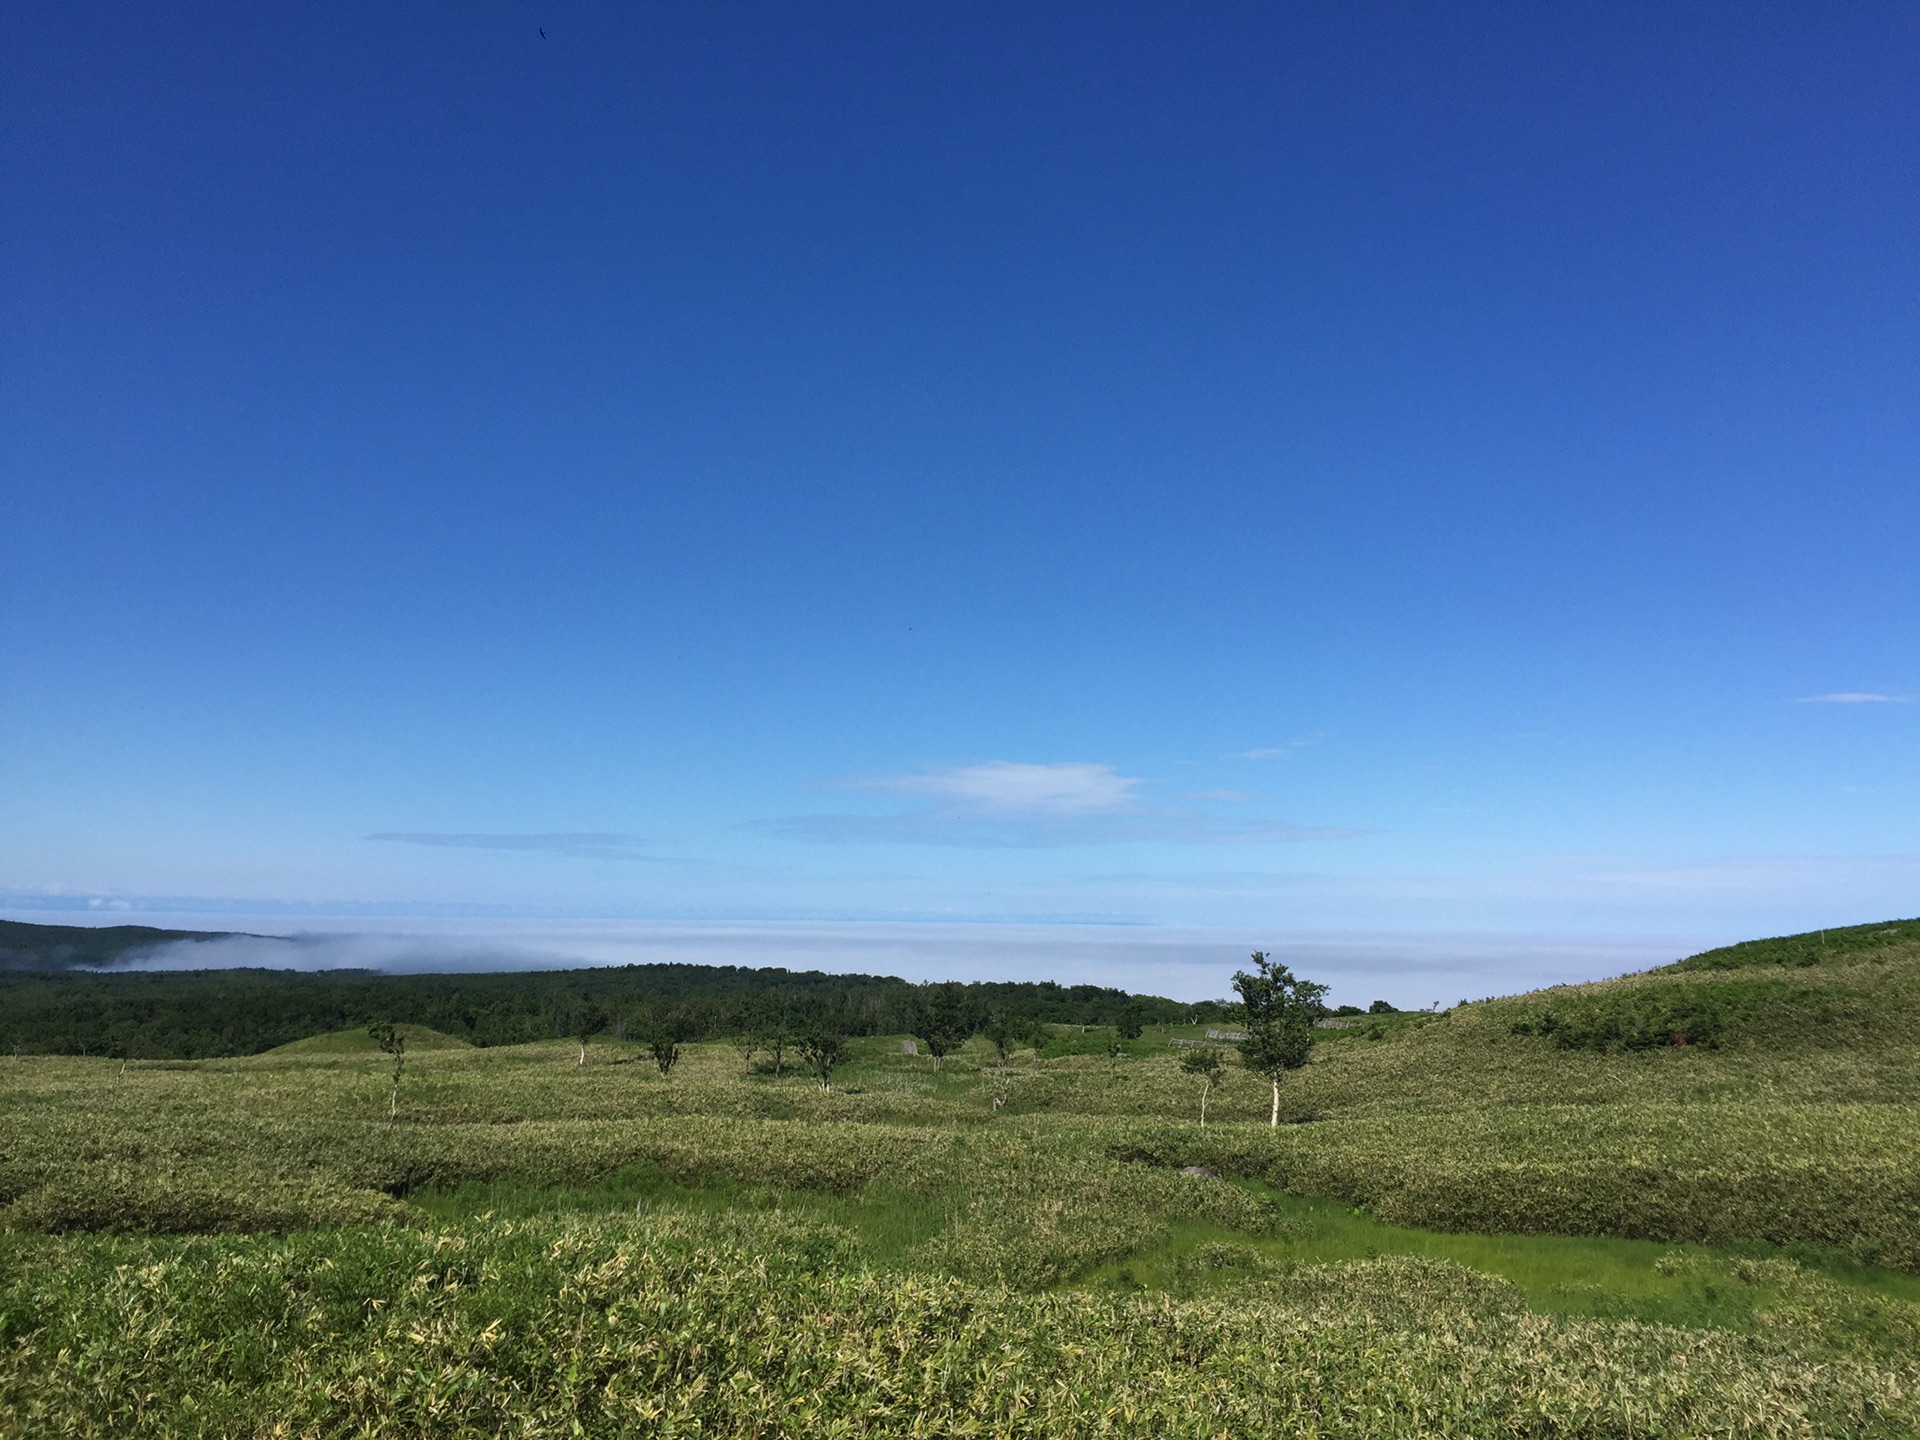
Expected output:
(586, 1021)
(822, 1043)
(1004, 1033)
(779, 1035)
(1206, 1062)
(749, 1031)
(942, 1023)
(1381, 1007)
(1278, 1011)
(1133, 1020)
(663, 1043)
(395, 1044)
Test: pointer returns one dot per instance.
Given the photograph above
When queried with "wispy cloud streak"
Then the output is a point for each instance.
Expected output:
(1006, 804)
(587, 845)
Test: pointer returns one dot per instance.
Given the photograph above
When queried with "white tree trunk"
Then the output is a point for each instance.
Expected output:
(1203, 1104)
(1275, 1121)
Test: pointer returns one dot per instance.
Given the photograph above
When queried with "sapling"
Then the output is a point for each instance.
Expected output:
(1206, 1062)
(588, 1021)
(395, 1044)
(1003, 1033)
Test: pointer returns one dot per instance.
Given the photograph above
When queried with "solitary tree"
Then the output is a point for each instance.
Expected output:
(1278, 1012)
(588, 1020)
(1133, 1020)
(942, 1022)
(395, 1044)
(822, 1043)
(1206, 1062)
(663, 1043)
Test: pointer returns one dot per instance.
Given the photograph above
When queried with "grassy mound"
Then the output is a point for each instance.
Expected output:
(358, 1042)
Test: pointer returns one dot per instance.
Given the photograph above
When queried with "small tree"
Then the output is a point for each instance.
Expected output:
(781, 1035)
(822, 1043)
(663, 1043)
(748, 1032)
(1133, 1020)
(1278, 1012)
(1003, 1032)
(941, 1021)
(1206, 1062)
(395, 1044)
(588, 1020)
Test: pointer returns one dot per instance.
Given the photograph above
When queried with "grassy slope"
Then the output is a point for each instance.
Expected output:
(357, 1041)
(1471, 1142)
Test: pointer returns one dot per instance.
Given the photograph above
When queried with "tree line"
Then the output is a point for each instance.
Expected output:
(183, 1015)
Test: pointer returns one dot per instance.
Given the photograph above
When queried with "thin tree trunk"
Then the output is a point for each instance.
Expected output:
(393, 1105)
(1203, 1104)
(583, 1053)
(1275, 1121)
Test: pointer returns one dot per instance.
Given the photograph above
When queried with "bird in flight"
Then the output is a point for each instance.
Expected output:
(543, 34)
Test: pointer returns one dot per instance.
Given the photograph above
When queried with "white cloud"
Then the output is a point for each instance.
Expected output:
(1011, 787)
(1855, 697)
(1276, 752)
(1012, 804)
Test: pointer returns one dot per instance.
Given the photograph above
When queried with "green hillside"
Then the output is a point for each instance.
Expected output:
(1681, 1203)
(1888, 939)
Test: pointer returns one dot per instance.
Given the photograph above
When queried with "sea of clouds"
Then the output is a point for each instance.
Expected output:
(1411, 971)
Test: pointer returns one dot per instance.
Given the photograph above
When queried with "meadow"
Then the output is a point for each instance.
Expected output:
(1644, 1207)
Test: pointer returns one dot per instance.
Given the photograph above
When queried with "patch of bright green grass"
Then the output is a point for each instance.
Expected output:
(1592, 1276)
(888, 1225)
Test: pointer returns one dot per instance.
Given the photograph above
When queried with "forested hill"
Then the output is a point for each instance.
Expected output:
(196, 1014)
(59, 947)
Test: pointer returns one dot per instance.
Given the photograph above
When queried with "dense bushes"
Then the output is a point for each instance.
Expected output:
(1710, 1013)
(1841, 1176)
(623, 1327)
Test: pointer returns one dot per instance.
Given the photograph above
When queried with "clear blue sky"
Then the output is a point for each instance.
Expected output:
(1293, 468)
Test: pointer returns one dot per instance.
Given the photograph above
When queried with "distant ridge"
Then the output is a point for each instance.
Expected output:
(26, 946)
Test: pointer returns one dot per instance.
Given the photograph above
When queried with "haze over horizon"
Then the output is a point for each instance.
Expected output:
(1314, 474)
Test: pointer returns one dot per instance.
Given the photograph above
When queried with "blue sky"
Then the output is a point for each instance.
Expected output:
(1287, 469)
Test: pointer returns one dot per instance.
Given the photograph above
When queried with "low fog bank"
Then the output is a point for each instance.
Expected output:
(1188, 964)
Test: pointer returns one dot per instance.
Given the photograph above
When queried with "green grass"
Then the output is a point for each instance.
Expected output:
(1483, 1232)
(889, 1225)
(1559, 1274)
(356, 1041)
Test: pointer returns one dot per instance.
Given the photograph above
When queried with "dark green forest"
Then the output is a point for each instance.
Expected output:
(56, 947)
(198, 1014)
